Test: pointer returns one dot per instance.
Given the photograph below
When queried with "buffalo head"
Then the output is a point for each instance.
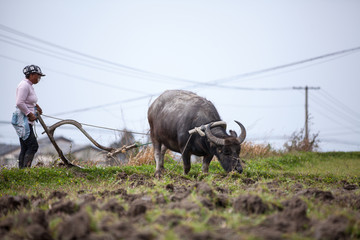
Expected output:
(227, 149)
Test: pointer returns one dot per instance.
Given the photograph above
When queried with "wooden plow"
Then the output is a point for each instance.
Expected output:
(50, 133)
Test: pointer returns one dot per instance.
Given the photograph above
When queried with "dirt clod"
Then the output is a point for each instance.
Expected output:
(216, 221)
(75, 227)
(222, 190)
(67, 207)
(248, 181)
(170, 187)
(251, 204)
(178, 196)
(57, 194)
(204, 189)
(119, 230)
(221, 200)
(292, 219)
(185, 204)
(207, 203)
(333, 228)
(171, 220)
(11, 203)
(113, 206)
(86, 198)
(137, 208)
(36, 232)
(122, 175)
(350, 187)
(317, 194)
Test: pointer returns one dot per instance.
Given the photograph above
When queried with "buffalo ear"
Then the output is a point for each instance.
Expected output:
(233, 133)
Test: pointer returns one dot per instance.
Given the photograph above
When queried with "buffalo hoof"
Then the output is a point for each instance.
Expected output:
(158, 173)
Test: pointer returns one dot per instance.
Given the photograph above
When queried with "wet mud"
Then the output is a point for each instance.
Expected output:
(119, 214)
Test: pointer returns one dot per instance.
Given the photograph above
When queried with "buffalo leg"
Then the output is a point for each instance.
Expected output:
(187, 162)
(162, 155)
(159, 158)
(206, 163)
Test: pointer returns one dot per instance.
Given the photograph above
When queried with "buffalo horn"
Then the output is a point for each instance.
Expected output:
(211, 137)
(242, 136)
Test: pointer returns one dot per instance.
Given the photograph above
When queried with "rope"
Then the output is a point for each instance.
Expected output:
(95, 126)
(182, 153)
(186, 145)
(200, 130)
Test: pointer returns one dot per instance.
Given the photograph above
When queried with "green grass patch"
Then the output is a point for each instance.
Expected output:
(328, 167)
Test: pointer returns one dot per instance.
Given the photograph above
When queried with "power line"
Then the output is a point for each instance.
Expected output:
(322, 140)
(151, 74)
(112, 86)
(81, 62)
(337, 133)
(69, 58)
(35, 48)
(320, 106)
(214, 83)
(266, 70)
(336, 111)
(87, 56)
(329, 140)
(341, 105)
(340, 124)
(251, 88)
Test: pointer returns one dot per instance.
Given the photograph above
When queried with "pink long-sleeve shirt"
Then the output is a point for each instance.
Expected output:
(26, 98)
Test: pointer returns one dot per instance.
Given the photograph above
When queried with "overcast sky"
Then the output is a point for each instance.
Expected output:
(106, 61)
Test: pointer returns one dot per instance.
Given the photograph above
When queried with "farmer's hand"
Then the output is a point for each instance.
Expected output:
(31, 117)
(39, 110)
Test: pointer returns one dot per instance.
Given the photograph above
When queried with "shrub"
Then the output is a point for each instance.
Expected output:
(298, 142)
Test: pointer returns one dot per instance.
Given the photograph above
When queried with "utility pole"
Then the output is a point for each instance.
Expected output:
(306, 138)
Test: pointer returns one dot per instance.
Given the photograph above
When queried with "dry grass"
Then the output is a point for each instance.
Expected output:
(144, 156)
(248, 150)
(252, 150)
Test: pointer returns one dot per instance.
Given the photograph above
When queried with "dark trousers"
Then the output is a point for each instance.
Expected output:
(28, 149)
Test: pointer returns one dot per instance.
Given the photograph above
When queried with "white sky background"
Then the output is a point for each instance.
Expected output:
(200, 41)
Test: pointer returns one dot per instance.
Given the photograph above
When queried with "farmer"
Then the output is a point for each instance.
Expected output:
(25, 114)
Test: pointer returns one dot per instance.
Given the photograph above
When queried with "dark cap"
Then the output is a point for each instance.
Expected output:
(33, 69)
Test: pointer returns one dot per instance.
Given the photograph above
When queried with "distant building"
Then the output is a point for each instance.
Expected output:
(47, 154)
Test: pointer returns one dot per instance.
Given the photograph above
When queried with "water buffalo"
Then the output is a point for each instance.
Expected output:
(174, 113)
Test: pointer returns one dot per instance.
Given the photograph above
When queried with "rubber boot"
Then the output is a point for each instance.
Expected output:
(28, 159)
(21, 162)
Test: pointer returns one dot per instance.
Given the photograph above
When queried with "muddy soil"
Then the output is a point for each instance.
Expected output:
(118, 214)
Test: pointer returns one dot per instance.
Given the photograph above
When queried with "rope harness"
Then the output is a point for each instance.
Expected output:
(200, 130)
